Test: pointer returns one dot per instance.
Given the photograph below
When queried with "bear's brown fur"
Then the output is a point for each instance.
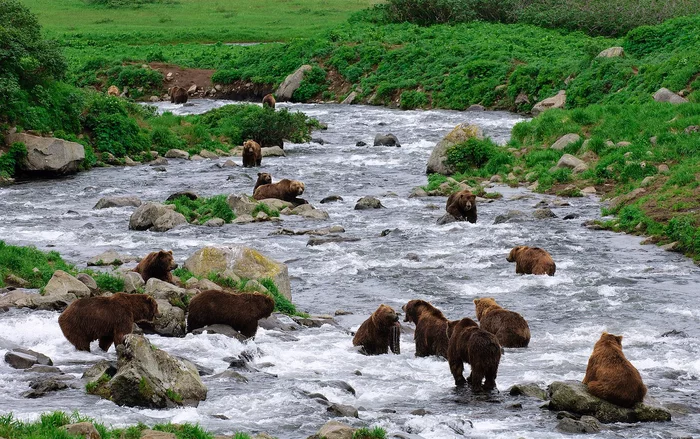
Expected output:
(106, 318)
(157, 264)
(287, 190)
(378, 333)
(462, 206)
(431, 328)
(241, 311)
(532, 260)
(479, 348)
(178, 95)
(113, 90)
(263, 178)
(269, 101)
(610, 375)
(252, 154)
(509, 327)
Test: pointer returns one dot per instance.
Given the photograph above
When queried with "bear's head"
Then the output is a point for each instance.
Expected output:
(484, 305)
(142, 306)
(296, 187)
(412, 310)
(513, 255)
(384, 316)
(607, 338)
(166, 260)
(467, 200)
(263, 178)
(456, 326)
(261, 305)
(249, 147)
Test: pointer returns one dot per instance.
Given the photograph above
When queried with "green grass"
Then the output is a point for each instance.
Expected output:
(262, 207)
(366, 433)
(22, 262)
(202, 21)
(202, 210)
(108, 282)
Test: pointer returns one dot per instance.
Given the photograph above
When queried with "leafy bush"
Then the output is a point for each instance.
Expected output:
(126, 3)
(413, 99)
(11, 161)
(366, 433)
(476, 156)
(109, 282)
(113, 127)
(313, 84)
(282, 304)
(262, 207)
(136, 77)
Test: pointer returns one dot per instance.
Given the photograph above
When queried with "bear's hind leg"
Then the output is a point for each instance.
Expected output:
(457, 368)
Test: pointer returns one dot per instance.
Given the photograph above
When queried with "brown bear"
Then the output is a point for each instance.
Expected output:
(479, 348)
(287, 190)
(532, 260)
(241, 311)
(157, 264)
(509, 327)
(106, 318)
(113, 90)
(269, 101)
(610, 376)
(379, 333)
(252, 154)
(462, 206)
(431, 328)
(178, 95)
(263, 178)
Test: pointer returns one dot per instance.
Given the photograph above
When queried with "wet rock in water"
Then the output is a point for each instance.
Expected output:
(108, 202)
(146, 216)
(331, 198)
(227, 164)
(83, 429)
(476, 107)
(341, 312)
(191, 195)
(368, 203)
(169, 220)
(231, 375)
(447, 219)
(103, 367)
(587, 424)
(308, 211)
(674, 333)
(315, 321)
(360, 143)
(543, 213)
(149, 377)
(215, 222)
(420, 412)
(386, 140)
(532, 390)
(593, 225)
(573, 396)
(159, 169)
(20, 358)
(40, 387)
(571, 216)
(512, 216)
(412, 257)
(330, 239)
(318, 140)
(220, 329)
(40, 368)
(170, 321)
(338, 384)
(241, 204)
(343, 410)
(48, 155)
(418, 192)
(336, 430)
(273, 151)
(278, 322)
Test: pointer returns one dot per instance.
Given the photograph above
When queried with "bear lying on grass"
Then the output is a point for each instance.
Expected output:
(252, 154)
(479, 348)
(431, 328)
(462, 206)
(610, 375)
(379, 332)
(509, 327)
(263, 178)
(532, 260)
(287, 190)
(157, 264)
(107, 319)
(239, 311)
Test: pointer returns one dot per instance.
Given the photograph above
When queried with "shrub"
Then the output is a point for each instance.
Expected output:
(11, 161)
(262, 207)
(413, 99)
(113, 127)
(482, 157)
(202, 210)
(109, 282)
(313, 84)
(282, 304)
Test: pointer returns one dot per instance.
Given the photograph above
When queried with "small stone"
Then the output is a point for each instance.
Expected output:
(88, 281)
(565, 141)
(331, 198)
(343, 410)
(215, 222)
(360, 143)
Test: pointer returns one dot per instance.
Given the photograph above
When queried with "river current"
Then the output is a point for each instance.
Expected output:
(604, 282)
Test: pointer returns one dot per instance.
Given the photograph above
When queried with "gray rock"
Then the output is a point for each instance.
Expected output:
(244, 219)
(205, 153)
(146, 215)
(418, 192)
(254, 286)
(543, 213)
(241, 204)
(565, 141)
(276, 204)
(522, 98)
(368, 203)
(20, 358)
(349, 99)
(291, 83)
(666, 95)
(587, 424)
(170, 321)
(557, 101)
(386, 140)
(169, 220)
(220, 329)
(343, 410)
(88, 281)
(338, 384)
(40, 368)
(133, 282)
(512, 216)
(570, 162)
(273, 151)
(159, 289)
(40, 387)
(532, 390)
(331, 198)
(336, 430)
(83, 429)
(110, 257)
(228, 164)
(231, 375)
(159, 161)
(62, 284)
(48, 155)
(360, 143)
(329, 239)
(107, 202)
(612, 52)
(460, 134)
(215, 222)
(476, 107)
(447, 219)
(278, 322)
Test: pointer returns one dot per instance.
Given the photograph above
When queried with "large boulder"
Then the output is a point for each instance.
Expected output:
(556, 101)
(573, 396)
(62, 283)
(170, 321)
(169, 220)
(571, 162)
(159, 289)
(155, 216)
(149, 377)
(291, 83)
(241, 261)
(107, 202)
(612, 52)
(19, 358)
(273, 151)
(48, 155)
(241, 204)
(460, 134)
(666, 95)
(111, 257)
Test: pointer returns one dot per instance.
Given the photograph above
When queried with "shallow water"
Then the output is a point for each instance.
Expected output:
(604, 282)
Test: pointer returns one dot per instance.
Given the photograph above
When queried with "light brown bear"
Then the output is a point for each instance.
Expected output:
(610, 376)
(269, 101)
(263, 178)
(106, 318)
(532, 260)
(178, 95)
(239, 311)
(431, 328)
(113, 90)
(510, 328)
(479, 348)
(157, 264)
(462, 206)
(252, 154)
(287, 190)
(379, 333)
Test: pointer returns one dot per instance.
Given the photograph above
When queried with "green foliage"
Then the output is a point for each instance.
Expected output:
(21, 261)
(282, 304)
(109, 282)
(184, 274)
(93, 385)
(262, 207)
(479, 157)
(136, 77)
(11, 161)
(685, 231)
(434, 182)
(313, 84)
(227, 282)
(202, 210)
(366, 433)
(125, 3)
(173, 395)
(113, 126)
(413, 99)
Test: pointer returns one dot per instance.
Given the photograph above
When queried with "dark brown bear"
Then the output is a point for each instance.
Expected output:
(269, 101)
(287, 190)
(509, 327)
(157, 264)
(106, 318)
(252, 154)
(431, 328)
(239, 311)
(479, 348)
(379, 332)
(462, 206)
(532, 260)
(178, 95)
(263, 178)
(610, 376)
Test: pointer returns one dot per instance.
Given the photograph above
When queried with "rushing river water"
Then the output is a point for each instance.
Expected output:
(604, 282)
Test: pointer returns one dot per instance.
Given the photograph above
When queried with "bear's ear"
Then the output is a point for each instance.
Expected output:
(476, 301)
(259, 174)
(618, 338)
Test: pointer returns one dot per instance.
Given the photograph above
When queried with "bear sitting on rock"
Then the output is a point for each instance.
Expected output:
(509, 327)
(379, 333)
(157, 264)
(479, 348)
(252, 154)
(287, 190)
(532, 260)
(431, 328)
(610, 375)
(106, 318)
(241, 311)
(263, 178)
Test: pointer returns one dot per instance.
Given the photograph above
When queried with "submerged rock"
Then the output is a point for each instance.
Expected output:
(368, 203)
(386, 140)
(108, 202)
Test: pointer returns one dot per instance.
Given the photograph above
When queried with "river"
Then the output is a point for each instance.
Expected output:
(604, 282)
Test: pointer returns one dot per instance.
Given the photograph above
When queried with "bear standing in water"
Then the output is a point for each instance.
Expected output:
(379, 332)
(532, 260)
(462, 206)
(479, 348)
(431, 328)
